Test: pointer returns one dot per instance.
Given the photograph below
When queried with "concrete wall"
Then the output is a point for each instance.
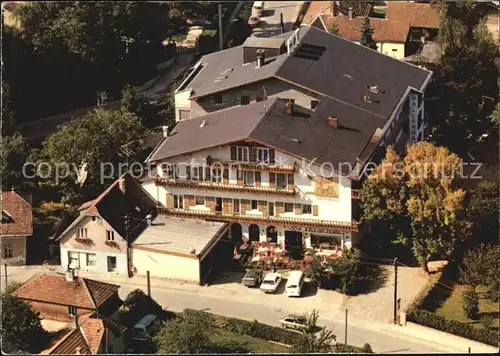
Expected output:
(182, 102)
(165, 265)
(96, 231)
(392, 49)
(272, 88)
(18, 247)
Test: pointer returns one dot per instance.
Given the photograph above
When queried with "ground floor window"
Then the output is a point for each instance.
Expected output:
(73, 259)
(178, 202)
(236, 205)
(111, 263)
(7, 250)
(91, 259)
(326, 241)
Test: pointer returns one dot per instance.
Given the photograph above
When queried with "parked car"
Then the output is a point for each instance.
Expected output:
(271, 282)
(252, 278)
(295, 322)
(294, 283)
(145, 328)
(253, 21)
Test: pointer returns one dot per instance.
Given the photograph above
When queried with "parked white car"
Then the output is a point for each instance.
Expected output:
(271, 282)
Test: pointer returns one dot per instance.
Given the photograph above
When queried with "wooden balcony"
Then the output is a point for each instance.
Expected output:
(312, 225)
(225, 187)
(255, 166)
(355, 194)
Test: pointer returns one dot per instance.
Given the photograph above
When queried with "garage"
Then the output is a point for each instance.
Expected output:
(177, 248)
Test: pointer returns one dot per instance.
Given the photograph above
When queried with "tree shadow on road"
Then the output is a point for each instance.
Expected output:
(373, 278)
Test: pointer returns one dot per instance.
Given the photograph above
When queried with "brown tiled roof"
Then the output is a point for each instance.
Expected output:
(359, 8)
(19, 212)
(113, 205)
(93, 331)
(315, 8)
(53, 288)
(383, 29)
(68, 345)
(415, 14)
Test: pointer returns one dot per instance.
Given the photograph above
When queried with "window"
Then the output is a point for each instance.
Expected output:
(7, 250)
(178, 202)
(197, 173)
(199, 200)
(111, 263)
(254, 204)
(73, 259)
(242, 154)
(314, 104)
(236, 205)
(81, 232)
(263, 155)
(217, 99)
(249, 178)
(110, 235)
(90, 259)
(71, 310)
(394, 49)
(306, 209)
(244, 100)
(271, 209)
(93, 218)
(288, 207)
(216, 175)
(171, 171)
(281, 180)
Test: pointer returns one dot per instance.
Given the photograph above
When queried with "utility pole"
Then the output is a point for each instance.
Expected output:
(395, 290)
(221, 41)
(149, 283)
(345, 333)
(127, 225)
(5, 272)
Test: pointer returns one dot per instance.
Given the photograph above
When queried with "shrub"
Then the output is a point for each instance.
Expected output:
(426, 318)
(470, 305)
(367, 349)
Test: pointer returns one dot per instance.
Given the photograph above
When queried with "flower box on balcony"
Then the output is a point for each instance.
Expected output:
(83, 239)
(111, 243)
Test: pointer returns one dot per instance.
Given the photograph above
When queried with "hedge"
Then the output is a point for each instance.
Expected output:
(429, 319)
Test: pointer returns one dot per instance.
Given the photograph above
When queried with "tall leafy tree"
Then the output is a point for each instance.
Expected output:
(95, 140)
(480, 267)
(21, 327)
(425, 182)
(12, 158)
(367, 35)
(314, 341)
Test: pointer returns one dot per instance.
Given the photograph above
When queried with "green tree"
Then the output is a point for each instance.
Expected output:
(433, 208)
(96, 140)
(495, 116)
(312, 341)
(136, 305)
(184, 334)
(367, 35)
(14, 150)
(470, 305)
(334, 29)
(133, 99)
(482, 210)
(21, 327)
(480, 266)
(7, 110)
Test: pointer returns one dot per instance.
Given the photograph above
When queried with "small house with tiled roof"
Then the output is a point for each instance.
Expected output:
(98, 239)
(15, 228)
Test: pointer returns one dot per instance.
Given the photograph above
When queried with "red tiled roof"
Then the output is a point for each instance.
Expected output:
(53, 288)
(359, 8)
(19, 211)
(416, 14)
(68, 345)
(93, 331)
(315, 7)
(383, 30)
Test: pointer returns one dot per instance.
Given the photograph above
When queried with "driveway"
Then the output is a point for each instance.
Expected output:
(270, 19)
(232, 299)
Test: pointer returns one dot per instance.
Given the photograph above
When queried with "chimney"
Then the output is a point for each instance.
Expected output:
(261, 57)
(350, 13)
(165, 131)
(70, 274)
(149, 219)
(333, 121)
(77, 350)
(192, 250)
(289, 107)
(422, 39)
(121, 184)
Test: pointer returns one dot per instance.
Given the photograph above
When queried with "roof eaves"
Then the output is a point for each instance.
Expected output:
(196, 97)
(89, 293)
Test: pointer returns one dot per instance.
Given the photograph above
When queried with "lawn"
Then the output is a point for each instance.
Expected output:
(252, 344)
(451, 308)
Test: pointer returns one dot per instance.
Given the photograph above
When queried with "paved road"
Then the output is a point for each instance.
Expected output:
(270, 20)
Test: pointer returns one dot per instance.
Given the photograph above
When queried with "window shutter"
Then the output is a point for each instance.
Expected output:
(170, 201)
(233, 153)
(207, 173)
(298, 209)
(210, 203)
(253, 154)
(244, 206)
(257, 179)
(227, 205)
(315, 210)
(279, 208)
(263, 207)
(271, 156)
(188, 201)
(188, 172)
(290, 181)
(239, 176)
(225, 175)
(272, 179)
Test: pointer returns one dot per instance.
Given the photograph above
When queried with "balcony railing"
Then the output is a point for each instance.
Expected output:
(312, 225)
(225, 187)
(258, 166)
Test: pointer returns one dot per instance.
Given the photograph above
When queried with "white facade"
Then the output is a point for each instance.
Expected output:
(166, 265)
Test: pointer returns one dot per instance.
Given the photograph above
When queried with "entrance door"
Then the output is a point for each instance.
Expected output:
(111, 263)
